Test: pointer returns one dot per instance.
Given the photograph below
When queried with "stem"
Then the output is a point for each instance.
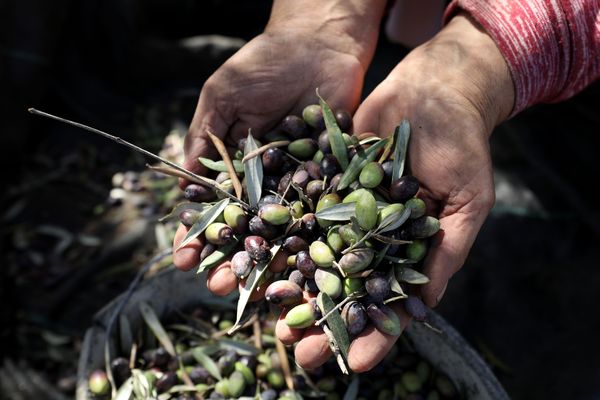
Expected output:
(123, 142)
(262, 149)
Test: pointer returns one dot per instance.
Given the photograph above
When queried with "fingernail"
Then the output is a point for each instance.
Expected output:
(439, 297)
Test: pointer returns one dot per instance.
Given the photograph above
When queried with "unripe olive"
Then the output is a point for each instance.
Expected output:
(313, 116)
(371, 175)
(303, 149)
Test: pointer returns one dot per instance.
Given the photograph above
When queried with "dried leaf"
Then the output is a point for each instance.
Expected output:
(207, 218)
(254, 172)
(337, 212)
(401, 136)
(156, 327)
(218, 255)
(338, 146)
(188, 205)
(352, 391)
(409, 275)
(207, 362)
(395, 298)
(358, 162)
(220, 146)
(335, 323)
(251, 284)
(394, 220)
(220, 165)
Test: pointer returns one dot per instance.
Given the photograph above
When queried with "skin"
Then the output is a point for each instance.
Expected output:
(453, 89)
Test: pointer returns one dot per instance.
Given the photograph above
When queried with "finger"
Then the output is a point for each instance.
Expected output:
(447, 253)
(211, 115)
(286, 334)
(371, 346)
(313, 349)
(188, 256)
(221, 280)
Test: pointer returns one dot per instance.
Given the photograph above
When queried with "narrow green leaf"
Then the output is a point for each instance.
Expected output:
(253, 170)
(220, 165)
(218, 255)
(370, 139)
(337, 212)
(352, 391)
(335, 323)
(125, 391)
(380, 256)
(338, 146)
(156, 327)
(409, 275)
(394, 284)
(242, 348)
(188, 205)
(207, 362)
(251, 284)
(360, 159)
(390, 240)
(401, 136)
(394, 221)
(207, 218)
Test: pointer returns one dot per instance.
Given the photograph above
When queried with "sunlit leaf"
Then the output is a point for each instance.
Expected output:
(337, 212)
(207, 218)
(220, 165)
(253, 170)
(401, 136)
(409, 275)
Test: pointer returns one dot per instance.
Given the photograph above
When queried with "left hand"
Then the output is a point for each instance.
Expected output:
(454, 89)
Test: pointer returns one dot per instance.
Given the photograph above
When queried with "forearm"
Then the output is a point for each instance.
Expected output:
(552, 47)
(349, 26)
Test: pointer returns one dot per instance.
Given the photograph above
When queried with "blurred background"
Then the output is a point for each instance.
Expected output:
(79, 214)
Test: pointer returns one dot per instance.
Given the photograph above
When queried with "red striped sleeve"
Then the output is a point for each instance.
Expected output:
(552, 47)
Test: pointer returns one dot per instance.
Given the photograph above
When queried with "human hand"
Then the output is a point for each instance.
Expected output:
(453, 90)
(305, 45)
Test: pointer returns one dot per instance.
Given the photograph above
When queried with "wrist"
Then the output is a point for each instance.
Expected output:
(477, 67)
(345, 26)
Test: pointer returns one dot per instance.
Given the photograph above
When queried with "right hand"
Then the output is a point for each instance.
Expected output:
(274, 75)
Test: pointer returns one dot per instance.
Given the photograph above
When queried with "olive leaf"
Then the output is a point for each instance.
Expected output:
(203, 359)
(218, 255)
(179, 208)
(409, 275)
(335, 323)
(203, 222)
(253, 170)
(125, 391)
(241, 348)
(359, 160)
(338, 146)
(337, 212)
(352, 391)
(251, 284)
(369, 139)
(390, 240)
(380, 256)
(220, 165)
(156, 327)
(394, 221)
(401, 136)
(394, 284)
(140, 386)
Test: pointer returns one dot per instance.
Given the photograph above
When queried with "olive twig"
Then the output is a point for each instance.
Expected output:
(262, 149)
(201, 180)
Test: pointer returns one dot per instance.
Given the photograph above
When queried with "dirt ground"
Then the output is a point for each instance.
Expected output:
(526, 298)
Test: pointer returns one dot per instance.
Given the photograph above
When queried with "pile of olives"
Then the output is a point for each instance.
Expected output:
(354, 233)
(207, 365)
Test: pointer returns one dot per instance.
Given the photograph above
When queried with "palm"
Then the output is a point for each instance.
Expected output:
(282, 79)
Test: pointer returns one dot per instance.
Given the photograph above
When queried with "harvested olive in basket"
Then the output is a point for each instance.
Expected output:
(194, 360)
